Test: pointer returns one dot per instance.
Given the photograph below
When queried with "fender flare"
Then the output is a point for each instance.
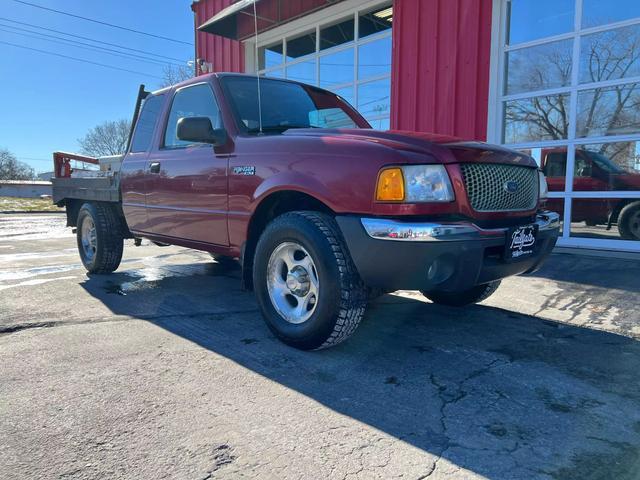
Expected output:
(295, 182)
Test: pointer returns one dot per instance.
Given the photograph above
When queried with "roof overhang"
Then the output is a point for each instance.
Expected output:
(225, 22)
(236, 21)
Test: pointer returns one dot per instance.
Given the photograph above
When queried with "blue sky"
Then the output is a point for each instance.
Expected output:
(48, 102)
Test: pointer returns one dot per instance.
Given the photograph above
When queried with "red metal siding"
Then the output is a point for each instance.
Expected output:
(440, 72)
(227, 55)
(224, 54)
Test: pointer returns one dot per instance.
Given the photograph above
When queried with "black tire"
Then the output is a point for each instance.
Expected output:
(105, 255)
(464, 298)
(341, 298)
(629, 221)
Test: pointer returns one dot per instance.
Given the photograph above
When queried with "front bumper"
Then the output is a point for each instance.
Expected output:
(445, 256)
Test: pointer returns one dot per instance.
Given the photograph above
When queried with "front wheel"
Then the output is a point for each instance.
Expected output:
(466, 297)
(99, 240)
(629, 221)
(307, 287)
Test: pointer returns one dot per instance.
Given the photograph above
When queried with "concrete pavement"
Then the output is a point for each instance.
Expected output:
(166, 370)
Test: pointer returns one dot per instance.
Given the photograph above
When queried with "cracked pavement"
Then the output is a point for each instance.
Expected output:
(166, 370)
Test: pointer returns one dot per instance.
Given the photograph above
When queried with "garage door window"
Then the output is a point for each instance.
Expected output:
(350, 56)
(569, 95)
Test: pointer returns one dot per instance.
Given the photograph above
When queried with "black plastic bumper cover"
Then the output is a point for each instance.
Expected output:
(436, 265)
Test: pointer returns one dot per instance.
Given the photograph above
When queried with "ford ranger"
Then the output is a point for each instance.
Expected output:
(320, 209)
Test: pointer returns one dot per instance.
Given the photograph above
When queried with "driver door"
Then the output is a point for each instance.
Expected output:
(188, 181)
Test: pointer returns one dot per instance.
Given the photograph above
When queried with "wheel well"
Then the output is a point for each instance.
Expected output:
(73, 206)
(271, 207)
(615, 213)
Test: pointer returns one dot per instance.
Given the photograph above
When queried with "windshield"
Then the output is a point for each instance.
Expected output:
(604, 163)
(287, 105)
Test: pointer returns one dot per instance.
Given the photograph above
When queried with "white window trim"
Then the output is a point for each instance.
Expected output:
(495, 115)
(315, 21)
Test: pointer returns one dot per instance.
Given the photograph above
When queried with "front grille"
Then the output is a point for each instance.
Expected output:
(487, 183)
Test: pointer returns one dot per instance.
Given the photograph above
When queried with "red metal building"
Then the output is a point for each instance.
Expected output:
(515, 72)
(439, 62)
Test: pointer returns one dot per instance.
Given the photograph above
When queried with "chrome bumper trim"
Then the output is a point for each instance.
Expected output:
(387, 229)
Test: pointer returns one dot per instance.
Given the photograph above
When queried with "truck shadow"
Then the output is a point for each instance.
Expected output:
(497, 393)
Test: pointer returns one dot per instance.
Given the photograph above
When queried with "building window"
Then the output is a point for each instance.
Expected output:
(569, 95)
(350, 56)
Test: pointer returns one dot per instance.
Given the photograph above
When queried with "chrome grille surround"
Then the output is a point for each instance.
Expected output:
(486, 185)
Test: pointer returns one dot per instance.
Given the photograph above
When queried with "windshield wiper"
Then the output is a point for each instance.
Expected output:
(278, 128)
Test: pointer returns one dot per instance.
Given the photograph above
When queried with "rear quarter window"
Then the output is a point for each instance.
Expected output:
(146, 124)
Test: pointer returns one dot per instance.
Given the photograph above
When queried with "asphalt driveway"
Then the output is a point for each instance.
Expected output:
(166, 370)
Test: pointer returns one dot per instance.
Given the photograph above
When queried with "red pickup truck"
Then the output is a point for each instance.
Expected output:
(320, 209)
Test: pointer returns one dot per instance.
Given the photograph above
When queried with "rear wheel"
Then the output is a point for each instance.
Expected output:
(629, 221)
(100, 242)
(466, 297)
(308, 289)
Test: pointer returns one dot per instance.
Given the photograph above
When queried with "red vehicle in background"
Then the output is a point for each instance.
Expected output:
(594, 172)
(321, 210)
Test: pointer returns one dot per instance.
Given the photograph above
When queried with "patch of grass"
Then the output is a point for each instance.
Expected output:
(15, 204)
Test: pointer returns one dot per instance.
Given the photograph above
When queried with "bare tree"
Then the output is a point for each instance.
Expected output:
(12, 169)
(601, 111)
(172, 75)
(108, 138)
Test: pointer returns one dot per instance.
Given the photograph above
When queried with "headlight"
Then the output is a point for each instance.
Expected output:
(544, 188)
(414, 183)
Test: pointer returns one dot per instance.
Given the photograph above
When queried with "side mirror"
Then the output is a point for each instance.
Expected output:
(199, 130)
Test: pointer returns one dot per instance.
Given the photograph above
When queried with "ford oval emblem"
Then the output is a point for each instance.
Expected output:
(511, 186)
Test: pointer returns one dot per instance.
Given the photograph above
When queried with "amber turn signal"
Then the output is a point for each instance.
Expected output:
(390, 186)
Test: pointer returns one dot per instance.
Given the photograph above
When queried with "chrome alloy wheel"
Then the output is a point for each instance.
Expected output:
(89, 238)
(292, 282)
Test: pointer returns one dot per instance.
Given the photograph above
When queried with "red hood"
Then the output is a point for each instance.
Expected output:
(446, 148)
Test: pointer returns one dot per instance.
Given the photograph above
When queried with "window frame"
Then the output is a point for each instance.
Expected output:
(162, 145)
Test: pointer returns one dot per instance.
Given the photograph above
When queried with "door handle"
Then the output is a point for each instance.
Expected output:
(154, 167)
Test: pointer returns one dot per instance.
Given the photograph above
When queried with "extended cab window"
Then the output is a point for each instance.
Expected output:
(287, 105)
(146, 123)
(195, 101)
